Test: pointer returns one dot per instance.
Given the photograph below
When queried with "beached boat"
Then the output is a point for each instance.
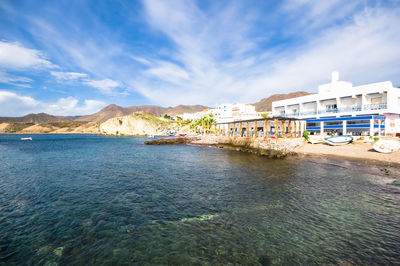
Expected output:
(339, 140)
(182, 134)
(26, 138)
(386, 146)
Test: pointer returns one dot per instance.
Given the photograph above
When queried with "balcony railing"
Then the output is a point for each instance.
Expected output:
(367, 107)
(378, 106)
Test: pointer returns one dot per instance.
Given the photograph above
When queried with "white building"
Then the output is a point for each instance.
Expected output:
(236, 112)
(339, 99)
(226, 113)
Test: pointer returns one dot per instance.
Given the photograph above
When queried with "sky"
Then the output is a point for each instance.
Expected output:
(74, 57)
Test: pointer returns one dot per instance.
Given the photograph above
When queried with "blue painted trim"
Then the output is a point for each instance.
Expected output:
(377, 126)
(376, 117)
(341, 127)
(358, 126)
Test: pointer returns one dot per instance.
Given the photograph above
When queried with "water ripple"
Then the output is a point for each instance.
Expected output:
(95, 200)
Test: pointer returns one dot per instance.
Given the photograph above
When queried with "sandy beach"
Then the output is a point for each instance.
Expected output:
(357, 151)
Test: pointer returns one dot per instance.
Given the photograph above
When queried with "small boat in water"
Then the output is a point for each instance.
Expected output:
(26, 138)
(386, 146)
(339, 140)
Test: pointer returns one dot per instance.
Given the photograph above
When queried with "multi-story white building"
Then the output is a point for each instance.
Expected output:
(338, 106)
(236, 112)
(227, 113)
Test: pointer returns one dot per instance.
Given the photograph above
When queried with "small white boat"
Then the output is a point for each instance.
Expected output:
(26, 138)
(386, 146)
(339, 140)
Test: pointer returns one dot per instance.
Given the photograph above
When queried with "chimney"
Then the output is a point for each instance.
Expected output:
(335, 76)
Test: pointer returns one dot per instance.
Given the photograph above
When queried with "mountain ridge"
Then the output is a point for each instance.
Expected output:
(265, 104)
(38, 118)
(114, 110)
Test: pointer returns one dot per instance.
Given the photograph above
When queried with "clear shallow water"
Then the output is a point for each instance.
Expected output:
(76, 199)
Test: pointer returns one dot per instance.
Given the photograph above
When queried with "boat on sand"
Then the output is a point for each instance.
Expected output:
(339, 140)
(386, 146)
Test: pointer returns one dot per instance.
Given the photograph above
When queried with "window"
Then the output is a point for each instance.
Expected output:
(377, 100)
(333, 123)
(331, 107)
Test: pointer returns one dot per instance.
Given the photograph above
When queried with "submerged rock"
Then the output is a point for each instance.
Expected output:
(265, 260)
(45, 250)
(59, 251)
(205, 217)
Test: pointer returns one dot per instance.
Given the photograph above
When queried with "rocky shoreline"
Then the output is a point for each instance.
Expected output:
(272, 148)
(282, 147)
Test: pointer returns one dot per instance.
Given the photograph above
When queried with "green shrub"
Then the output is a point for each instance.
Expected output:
(306, 135)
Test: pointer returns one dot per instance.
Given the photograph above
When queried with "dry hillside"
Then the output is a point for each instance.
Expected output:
(37, 118)
(265, 105)
(50, 127)
(114, 111)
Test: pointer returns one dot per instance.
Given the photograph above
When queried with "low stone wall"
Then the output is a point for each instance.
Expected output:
(273, 148)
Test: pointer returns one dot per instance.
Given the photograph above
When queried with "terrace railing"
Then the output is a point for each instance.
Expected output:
(379, 106)
(357, 108)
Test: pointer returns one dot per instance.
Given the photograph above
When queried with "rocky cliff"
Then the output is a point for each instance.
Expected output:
(136, 124)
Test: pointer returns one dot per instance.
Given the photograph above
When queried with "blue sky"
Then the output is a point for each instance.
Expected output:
(75, 57)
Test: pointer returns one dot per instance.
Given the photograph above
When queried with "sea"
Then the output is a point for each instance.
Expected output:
(95, 200)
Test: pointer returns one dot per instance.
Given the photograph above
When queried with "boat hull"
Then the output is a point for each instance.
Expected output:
(339, 140)
(386, 146)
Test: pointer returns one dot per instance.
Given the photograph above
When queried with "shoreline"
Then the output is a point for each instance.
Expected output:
(356, 151)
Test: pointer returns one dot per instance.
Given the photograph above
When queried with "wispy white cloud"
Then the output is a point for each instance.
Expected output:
(168, 72)
(14, 56)
(63, 76)
(106, 86)
(15, 80)
(229, 51)
(13, 104)
(70, 105)
(234, 67)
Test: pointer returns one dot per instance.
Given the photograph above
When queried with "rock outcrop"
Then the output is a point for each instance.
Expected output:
(272, 148)
(136, 124)
(169, 141)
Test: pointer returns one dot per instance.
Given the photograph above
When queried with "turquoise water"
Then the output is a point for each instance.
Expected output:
(78, 199)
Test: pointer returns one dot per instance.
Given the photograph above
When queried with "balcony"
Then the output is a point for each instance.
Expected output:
(334, 111)
(379, 106)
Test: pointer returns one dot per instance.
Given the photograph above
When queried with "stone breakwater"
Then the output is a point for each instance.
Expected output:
(273, 148)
